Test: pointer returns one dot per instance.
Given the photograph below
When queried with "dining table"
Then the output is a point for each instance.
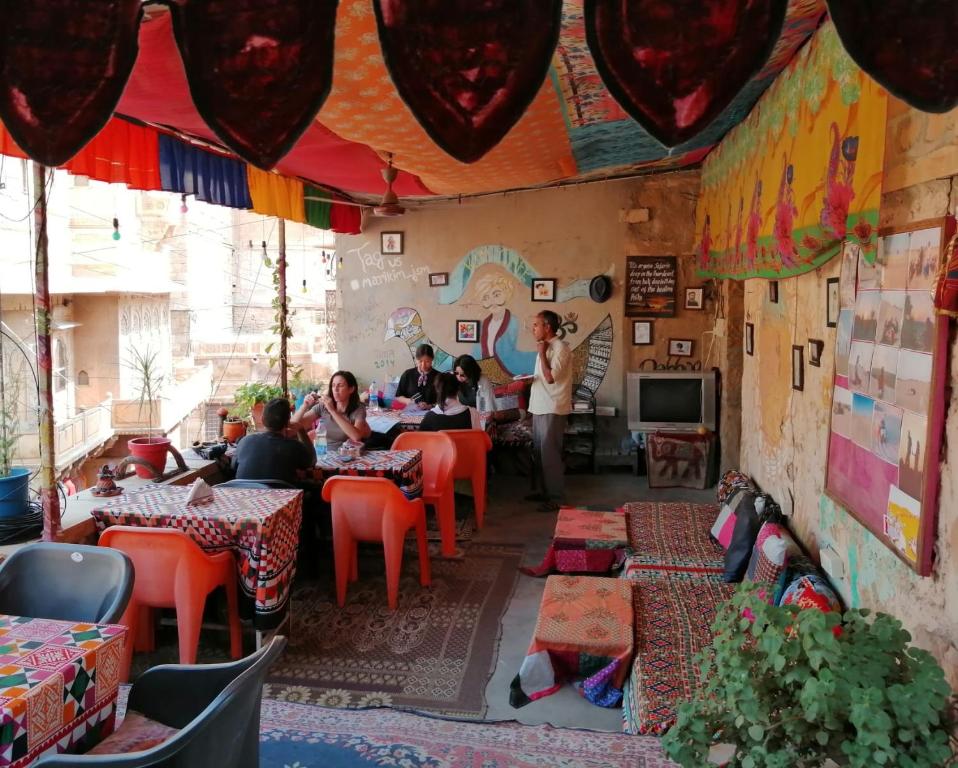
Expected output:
(260, 526)
(404, 468)
(58, 686)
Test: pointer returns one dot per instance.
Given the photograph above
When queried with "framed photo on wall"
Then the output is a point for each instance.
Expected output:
(543, 289)
(467, 331)
(815, 347)
(641, 332)
(798, 367)
(773, 291)
(833, 302)
(438, 279)
(390, 243)
(695, 298)
(680, 347)
(750, 339)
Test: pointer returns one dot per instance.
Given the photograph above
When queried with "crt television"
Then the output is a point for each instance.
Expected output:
(674, 401)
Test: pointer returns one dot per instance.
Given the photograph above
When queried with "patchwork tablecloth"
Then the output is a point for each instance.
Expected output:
(585, 541)
(672, 537)
(584, 630)
(58, 686)
(261, 527)
(674, 615)
(402, 467)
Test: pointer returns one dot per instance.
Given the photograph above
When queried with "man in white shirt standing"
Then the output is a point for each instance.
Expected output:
(550, 402)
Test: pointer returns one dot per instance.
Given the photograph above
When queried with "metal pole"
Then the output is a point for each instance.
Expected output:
(48, 478)
(283, 310)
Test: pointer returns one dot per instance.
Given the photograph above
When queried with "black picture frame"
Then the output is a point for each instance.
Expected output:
(773, 291)
(815, 349)
(798, 367)
(438, 279)
(467, 331)
(833, 302)
(543, 289)
(642, 329)
(750, 339)
(391, 243)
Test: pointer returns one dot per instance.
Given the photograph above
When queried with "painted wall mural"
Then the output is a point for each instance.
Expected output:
(801, 174)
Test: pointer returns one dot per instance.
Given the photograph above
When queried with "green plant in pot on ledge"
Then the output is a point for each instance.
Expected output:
(14, 481)
(149, 379)
(791, 688)
(250, 400)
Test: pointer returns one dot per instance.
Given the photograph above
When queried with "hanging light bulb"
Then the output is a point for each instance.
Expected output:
(116, 229)
(340, 259)
(264, 248)
(304, 285)
(184, 208)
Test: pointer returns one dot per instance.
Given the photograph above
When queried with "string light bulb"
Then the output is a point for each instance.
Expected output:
(116, 228)
(304, 285)
(184, 208)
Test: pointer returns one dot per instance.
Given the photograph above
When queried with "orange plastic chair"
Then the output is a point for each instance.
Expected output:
(374, 509)
(472, 445)
(438, 463)
(172, 571)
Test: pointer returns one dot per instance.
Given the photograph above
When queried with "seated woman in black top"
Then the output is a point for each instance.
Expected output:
(449, 413)
(418, 384)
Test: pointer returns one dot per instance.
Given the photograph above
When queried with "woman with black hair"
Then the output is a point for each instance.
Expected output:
(449, 413)
(418, 384)
(474, 388)
(339, 411)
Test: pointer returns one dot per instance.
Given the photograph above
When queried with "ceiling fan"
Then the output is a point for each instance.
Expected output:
(389, 205)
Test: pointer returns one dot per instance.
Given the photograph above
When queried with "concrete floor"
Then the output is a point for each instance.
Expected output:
(510, 519)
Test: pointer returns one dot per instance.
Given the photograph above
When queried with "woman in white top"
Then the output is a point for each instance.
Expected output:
(339, 411)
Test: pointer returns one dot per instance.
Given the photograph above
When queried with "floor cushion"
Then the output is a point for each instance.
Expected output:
(672, 536)
(770, 555)
(136, 733)
(747, 524)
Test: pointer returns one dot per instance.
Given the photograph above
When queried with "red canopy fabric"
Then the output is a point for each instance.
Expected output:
(158, 93)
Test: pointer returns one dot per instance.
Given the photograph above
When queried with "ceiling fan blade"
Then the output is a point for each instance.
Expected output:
(63, 67)
(468, 71)
(908, 46)
(674, 65)
(259, 70)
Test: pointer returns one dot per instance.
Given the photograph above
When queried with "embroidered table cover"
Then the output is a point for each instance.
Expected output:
(58, 686)
(261, 527)
(402, 467)
(584, 630)
(585, 541)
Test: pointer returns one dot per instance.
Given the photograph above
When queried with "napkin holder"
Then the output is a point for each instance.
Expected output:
(200, 493)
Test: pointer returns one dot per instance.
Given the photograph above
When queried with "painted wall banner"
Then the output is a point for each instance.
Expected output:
(888, 400)
(801, 174)
(650, 283)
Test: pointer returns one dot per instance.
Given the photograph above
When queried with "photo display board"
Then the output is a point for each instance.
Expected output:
(888, 400)
(650, 285)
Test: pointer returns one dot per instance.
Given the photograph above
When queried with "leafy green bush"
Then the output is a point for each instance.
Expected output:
(248, 395)
(788, 690)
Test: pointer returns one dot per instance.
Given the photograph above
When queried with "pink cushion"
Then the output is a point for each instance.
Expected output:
(137, 733)
(773, 546)
(723, 527)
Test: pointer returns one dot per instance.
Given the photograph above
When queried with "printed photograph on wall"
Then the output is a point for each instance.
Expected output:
(844, 341)
(390, 243)
(918, 325)
(749, 338)
(884, 373)
(869, 274)
(849, 274)
(680, 347)
(894, 262)
(832, 302)
(543, 289)
(913, 387)
(694, 298)
(886, 432)
(815, 347)
(866, 315)
(903, 522)
(862, 410)
(467, 331)
(641, 332)
(911, 456)
(924, 257)
(860, 365)
(798, 367)
(842, 412)
(438, 279)
(891, 312)
(773, 291)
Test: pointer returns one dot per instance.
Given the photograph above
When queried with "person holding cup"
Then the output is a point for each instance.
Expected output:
(339, 411)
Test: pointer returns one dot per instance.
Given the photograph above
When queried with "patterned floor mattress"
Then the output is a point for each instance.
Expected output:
(668, 537)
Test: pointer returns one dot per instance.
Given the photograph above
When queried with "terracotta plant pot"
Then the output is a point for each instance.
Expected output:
(151, 449)
(234, 430)
(257, 412)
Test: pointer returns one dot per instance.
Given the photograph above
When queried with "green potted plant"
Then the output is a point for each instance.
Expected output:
(250, 400)
(786, 687)
(149, 379)
(14, 481)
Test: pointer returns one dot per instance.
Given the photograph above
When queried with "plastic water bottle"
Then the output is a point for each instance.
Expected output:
(373, 395)
(319, 441)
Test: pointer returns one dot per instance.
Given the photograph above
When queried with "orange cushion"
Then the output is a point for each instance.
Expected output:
(137, 733)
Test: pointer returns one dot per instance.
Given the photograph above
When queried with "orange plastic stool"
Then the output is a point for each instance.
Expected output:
(472, 445)
(438, 462)
(374, 509)
(172, 571)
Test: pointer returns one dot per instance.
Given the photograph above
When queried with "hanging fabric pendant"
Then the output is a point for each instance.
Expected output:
(258, 70)
(116, 229)
(63, 67)
(908, 46)
(468, 71)
(674, 65)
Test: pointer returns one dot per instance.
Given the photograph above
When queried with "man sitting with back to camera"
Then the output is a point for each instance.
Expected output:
(270, 455)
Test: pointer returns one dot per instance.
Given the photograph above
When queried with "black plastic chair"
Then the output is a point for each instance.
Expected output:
(215, 706)
(69, 582)
(263, 484)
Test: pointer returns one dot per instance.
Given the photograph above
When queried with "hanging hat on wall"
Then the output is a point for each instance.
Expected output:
(600, 288)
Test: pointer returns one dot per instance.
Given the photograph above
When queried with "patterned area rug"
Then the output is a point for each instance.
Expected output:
(436, 652)
(302, 736)
(673, 536)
